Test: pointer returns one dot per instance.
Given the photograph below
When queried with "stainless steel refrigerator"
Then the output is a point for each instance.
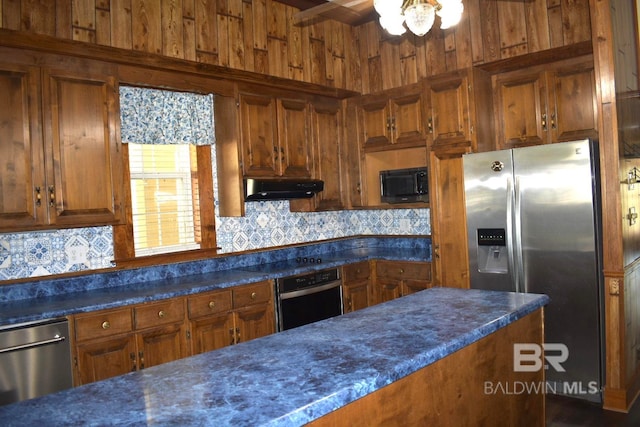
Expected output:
(534, 226)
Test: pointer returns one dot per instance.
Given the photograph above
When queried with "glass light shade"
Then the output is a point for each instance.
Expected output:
(450, 13)
(393, 23)
(387, 7)
(419, 18)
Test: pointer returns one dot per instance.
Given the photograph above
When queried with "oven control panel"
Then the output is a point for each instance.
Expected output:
(317, 278)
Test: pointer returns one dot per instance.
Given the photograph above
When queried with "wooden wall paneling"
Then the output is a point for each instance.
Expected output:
(147, 26)
(490, 31)
(103, 27)
(11, 15)
(39, 17)
(353, 77)
(84, 14)
(363, 55)
(188, 9)
(189, 38)
(172, 30)
(223, 39)
(512, 28)
(408, 70)
(222, 7)
(537, 20)
(421, 56)
(328, 53)
(277, 20)
(247, 32)
(435, 53)
(473, 9)
(206, 27)
(261, 61)
(576, 21)
(294, 47)
(554, 13)
(317, 61)
(450, 54)
(121, 28)
(63, 19)
(259, 9)
(236, 43)
(389, 58)
(375, 74)
(277, 57)
(464, 54)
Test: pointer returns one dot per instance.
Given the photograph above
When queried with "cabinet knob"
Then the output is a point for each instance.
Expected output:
(161, 314)
(253, 295)
(401, 271)
(106, 324)
(212, 304)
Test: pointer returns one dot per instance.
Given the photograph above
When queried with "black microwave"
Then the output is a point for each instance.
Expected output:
(404, 185)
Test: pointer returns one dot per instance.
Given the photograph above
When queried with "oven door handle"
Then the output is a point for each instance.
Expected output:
(310, 290)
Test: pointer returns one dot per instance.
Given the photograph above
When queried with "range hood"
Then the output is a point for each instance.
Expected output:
(280, 189)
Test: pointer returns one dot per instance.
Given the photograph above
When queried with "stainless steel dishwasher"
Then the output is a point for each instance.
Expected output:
(35, 359)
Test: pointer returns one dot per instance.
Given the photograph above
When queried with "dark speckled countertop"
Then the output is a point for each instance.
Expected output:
(289, 378)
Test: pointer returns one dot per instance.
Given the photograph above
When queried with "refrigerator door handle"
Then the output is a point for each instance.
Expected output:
(521, 285)
(510, 241)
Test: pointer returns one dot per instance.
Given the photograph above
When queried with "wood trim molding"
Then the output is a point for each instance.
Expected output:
(41, 43)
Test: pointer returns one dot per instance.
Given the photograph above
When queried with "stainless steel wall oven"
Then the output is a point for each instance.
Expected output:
(308, 298)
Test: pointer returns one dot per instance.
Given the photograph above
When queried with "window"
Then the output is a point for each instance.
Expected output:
(162, 198)
(167, 138)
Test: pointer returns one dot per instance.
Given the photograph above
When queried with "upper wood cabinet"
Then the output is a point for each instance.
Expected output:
(327, 143)
(60, 160)
(541, 106)
(393, 118)
(459, 108)
(274, 137)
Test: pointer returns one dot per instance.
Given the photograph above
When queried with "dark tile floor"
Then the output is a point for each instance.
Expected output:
(565, 412)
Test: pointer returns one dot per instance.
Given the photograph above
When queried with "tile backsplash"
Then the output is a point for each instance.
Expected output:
(266, 224)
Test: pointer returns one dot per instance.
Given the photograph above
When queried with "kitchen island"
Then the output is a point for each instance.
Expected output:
(440, 354)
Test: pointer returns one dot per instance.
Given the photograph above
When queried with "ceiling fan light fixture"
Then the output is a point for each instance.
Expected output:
(392, 23)
(419, 18)
(387, 7)
(450, 13)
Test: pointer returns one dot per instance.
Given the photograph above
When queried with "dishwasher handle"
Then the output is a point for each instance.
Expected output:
(53, 340)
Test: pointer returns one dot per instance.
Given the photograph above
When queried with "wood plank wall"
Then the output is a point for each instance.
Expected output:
(259, 36)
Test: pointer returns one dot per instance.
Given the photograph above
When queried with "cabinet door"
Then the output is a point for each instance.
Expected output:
(410, 286)
(212, 332)
(521, 110)
(81, 128)
(327, 136)
(387, 289)
(99, 360)
(254, 322)
(356, 295)
(258, 135)
(22, 178)
(572, 104)
(449, 228)
(376, 122)
(449, 120)
(161, 345)
(408, 118)
(294, 143)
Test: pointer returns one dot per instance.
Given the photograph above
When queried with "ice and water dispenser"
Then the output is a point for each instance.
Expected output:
(492, 251)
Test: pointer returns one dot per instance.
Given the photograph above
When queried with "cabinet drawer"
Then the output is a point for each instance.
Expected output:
(209, 303)
(404, 270)
(103, 324)
(252, 294)
(356, 271)
(159, 313)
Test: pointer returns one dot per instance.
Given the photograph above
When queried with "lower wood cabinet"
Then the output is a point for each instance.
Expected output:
(394, 279)
(227, 317)
(113, 342)
(357, 291)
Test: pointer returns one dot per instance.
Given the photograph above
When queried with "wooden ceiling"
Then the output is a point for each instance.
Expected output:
(352, 12)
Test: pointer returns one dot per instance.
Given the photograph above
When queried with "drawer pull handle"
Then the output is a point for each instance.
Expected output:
(253, 295)
(161, 314)
(212, 304)
(106, 324)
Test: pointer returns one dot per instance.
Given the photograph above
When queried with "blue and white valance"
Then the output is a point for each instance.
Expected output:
(153, 116)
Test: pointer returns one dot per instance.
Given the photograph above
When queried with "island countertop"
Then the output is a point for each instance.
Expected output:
(292, 377)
